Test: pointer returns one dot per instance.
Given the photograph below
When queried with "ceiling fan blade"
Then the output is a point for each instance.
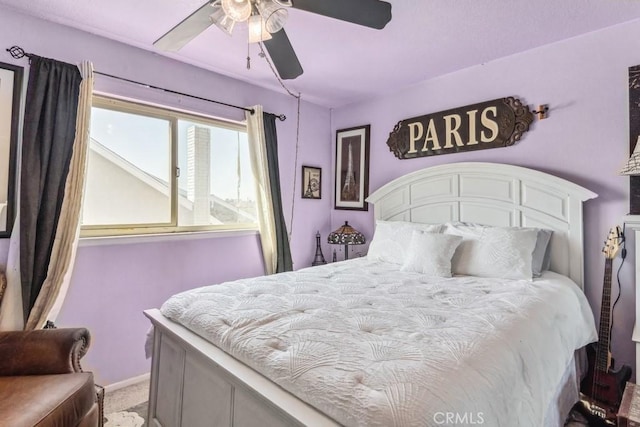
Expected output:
(283, 56)
(370, 13)
(186, 30)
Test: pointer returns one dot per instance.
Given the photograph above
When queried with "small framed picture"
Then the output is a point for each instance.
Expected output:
(311, 182)
(352, 168)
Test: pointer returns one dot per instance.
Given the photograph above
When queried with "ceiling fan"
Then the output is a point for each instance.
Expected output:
(266, 18)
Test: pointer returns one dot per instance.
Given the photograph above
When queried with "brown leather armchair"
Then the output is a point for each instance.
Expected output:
(41, 381)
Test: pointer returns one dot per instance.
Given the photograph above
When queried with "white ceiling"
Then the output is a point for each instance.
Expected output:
(344, 62)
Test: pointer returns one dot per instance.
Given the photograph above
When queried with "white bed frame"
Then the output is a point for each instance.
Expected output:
(193, 383)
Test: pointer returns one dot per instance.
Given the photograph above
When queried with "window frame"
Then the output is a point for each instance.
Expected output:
(173, 116)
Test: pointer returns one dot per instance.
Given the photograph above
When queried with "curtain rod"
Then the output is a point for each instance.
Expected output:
(17, 52)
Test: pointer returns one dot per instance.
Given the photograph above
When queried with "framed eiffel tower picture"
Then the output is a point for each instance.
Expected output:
(311, 182)
(352, 168)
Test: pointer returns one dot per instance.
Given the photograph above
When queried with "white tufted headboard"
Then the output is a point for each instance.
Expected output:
(493, 194)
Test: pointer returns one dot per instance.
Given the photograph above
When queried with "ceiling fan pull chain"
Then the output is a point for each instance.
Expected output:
(295, 165)
(248, 56)
(261, 54)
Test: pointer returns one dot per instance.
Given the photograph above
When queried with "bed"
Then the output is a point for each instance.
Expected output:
(194, 382)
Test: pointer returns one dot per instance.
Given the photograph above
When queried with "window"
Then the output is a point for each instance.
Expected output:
(156, 170)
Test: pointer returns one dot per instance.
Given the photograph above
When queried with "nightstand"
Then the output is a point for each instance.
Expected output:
(629, 412)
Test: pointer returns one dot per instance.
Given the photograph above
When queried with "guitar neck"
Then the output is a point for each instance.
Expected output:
(602, 357)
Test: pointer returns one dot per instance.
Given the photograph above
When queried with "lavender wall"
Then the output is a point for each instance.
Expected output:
(112, 283)
(585, 139)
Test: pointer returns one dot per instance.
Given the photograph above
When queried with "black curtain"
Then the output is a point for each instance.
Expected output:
(49, 131)
(271, 140)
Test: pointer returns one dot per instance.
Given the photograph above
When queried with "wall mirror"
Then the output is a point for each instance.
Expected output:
(10, 89)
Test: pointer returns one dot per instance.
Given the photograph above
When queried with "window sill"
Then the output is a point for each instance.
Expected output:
(162, 237)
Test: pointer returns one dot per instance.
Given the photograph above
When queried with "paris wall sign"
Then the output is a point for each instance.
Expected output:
(491, 124)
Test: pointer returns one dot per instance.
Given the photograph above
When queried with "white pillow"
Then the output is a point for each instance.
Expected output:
(391, 238)
(430, 253)
(541, 256)
(542, 252)
(501, 252)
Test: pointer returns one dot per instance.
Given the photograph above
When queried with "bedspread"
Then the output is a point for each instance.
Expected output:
(370, 345)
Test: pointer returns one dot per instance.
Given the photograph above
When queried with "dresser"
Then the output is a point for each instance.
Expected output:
(632, 225)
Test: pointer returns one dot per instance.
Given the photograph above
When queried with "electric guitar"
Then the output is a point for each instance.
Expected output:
(602, 387)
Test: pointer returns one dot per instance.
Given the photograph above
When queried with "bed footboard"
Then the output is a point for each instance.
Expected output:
(193, 383)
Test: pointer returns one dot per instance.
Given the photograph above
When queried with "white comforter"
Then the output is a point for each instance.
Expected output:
(369, 345)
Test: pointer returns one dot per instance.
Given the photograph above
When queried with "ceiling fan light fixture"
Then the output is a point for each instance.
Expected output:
(221, 19)
(257, 29)
(274, 15)
(238, 10)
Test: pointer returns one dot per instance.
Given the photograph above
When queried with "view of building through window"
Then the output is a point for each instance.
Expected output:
(135, 183)
(215, 175)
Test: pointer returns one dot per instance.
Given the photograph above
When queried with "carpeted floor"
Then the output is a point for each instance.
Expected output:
(130, 417)
(127, 407)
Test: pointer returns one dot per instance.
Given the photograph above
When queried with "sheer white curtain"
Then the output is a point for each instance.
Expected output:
(11, 316)
(54, 289)
(266, 220)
